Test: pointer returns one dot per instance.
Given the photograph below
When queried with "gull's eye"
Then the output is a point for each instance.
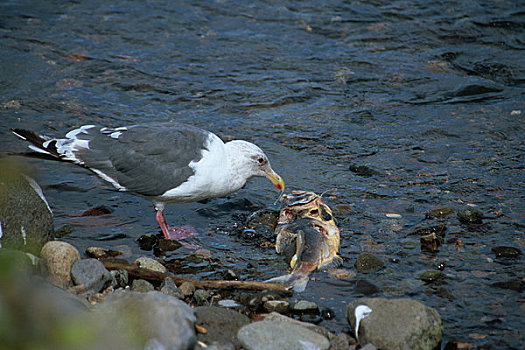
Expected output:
(261, 160)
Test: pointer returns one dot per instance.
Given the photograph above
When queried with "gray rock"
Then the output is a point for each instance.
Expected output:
(59, 257)
(431, 276)
(151, 264)
(274, 316)
(397, 324)
(365, 287)
(91, 273)
(305, 306)
(368, 263)
(102, 253)
(120, 278)
(221, 324)
(163, 321)
(169, 287)
(269, 335)
(141, 286)
(201, 296)
(431, 242)
(187, 288)
(343, 341)
(26, 221)
(279, 306)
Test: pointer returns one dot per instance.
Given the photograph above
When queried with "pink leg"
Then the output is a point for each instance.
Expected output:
(176, 232)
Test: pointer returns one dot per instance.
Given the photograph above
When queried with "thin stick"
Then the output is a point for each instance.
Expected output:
(135, 271)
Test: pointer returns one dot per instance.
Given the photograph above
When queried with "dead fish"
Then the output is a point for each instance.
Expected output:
(303, 204)
(307, 236)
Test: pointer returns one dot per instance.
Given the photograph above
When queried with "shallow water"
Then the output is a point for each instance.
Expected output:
(428, 96)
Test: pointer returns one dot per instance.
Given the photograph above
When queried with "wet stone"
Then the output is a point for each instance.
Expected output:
(365, 288)
(439, 213)
(343, 341)
(147, 241)
(443, 292)
(430, 243)
(362, 170)
(150, 264)
(470, 216)
(506, 252)
(513, 284)
(167, 245)
(169, 287)
(367, 263)
(280, 306)
(264, 219)
(101, 253)
(315, 319)
(439, 230)
(431, 276)
(91, 273)
(305, 306)
(120, 278)
(142, 286)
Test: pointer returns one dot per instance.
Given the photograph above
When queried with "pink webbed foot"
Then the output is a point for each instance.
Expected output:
(179, 233)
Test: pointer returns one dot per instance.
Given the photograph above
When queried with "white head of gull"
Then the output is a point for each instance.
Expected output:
(163, 162)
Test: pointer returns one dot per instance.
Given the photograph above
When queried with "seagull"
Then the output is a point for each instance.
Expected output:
(164, 162)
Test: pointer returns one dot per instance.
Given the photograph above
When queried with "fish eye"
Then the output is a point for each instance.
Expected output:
(314, 212)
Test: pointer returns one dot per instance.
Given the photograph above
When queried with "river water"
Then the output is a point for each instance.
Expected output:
(393, 108)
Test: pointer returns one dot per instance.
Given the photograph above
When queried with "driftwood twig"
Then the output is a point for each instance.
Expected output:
(135, 271)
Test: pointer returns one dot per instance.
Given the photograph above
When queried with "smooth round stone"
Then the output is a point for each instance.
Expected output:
(59, 257)
(279, 306)
(270, 335)
(305, 306)
(142, 286)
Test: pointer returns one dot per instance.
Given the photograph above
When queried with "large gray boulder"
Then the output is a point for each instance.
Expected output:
(269, 335)
(26, 221)
(397, 324)
(163, 321)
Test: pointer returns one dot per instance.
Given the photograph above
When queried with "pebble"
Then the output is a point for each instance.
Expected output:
(101, 253)
(169, 287)
(280, 306)
(91, 273)
(440, 213)
(305, 306)
(201, 296)
(151, 264)
(341, 273)
(228, 303)
(120, 278)
(270, 335)
(187, 288)
(141, 286)
(59, 257)
(367, 263)
(506, 252)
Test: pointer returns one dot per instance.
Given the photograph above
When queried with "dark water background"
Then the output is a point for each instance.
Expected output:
(428, 95)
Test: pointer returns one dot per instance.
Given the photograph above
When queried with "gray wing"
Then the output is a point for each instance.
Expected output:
(147, 159)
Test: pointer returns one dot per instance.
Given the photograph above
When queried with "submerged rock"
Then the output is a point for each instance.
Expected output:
(439, 213)
(365, 287)
(269, 335)
(368, 263)
(430, 243)
(59, 257)
(397, 324)
(506, 252)
(470, 216)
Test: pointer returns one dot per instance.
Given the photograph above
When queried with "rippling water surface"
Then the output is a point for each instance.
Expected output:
(393, 107)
